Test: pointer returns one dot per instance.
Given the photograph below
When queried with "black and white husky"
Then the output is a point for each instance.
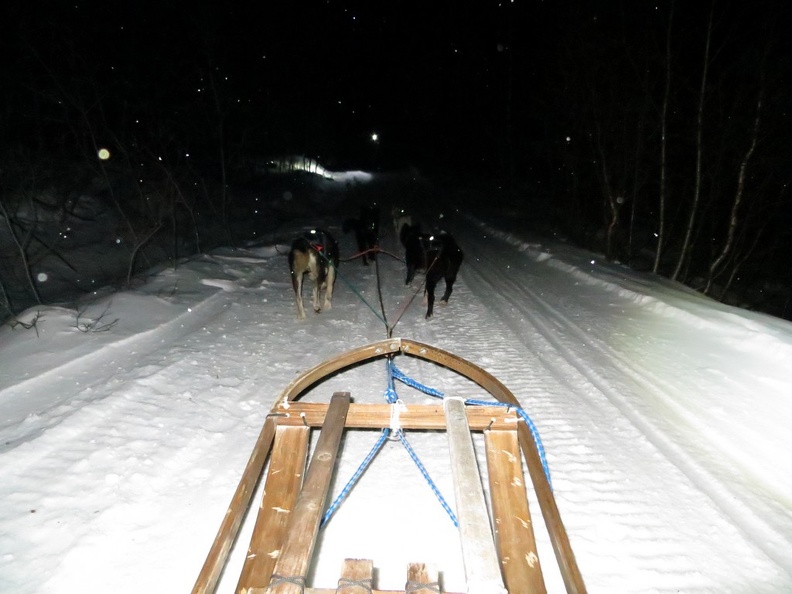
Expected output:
(438, 254)
(314, 253)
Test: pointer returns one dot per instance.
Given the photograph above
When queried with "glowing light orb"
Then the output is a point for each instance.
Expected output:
(104, 154)
(42, 277)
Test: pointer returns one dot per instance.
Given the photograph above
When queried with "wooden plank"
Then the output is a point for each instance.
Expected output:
(482, 569)
(419, 574)
(378, 416)
(565, 557)
(284, 478)
(356, 576)
(292, 565)
(207, 579)
(514, 534)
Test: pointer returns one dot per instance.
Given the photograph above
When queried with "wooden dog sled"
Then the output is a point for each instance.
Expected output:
(498, 546)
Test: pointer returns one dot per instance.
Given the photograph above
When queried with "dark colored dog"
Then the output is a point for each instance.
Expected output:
(400, 218)
(436, 253)
(366, 229)
(314, 253)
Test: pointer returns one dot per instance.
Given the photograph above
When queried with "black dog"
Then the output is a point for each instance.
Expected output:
(436, 253)
(366, 229)
(314, 253)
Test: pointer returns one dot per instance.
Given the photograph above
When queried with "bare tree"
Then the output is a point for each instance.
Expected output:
(22, 243)
(716, 266)
(661, 216)
(694, 206)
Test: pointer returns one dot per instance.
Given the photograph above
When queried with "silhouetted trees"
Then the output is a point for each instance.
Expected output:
(677, 120)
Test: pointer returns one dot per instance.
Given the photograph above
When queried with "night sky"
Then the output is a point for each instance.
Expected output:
(428, 77)
(439, 81)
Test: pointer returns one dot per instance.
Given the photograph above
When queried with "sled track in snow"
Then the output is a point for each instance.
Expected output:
(615, 375)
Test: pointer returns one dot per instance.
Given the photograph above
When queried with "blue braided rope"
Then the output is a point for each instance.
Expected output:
(390, 392)
(391, 396)
(425, 474)
(523, 415)
(534, 432)
(414, 384)
(354, 479)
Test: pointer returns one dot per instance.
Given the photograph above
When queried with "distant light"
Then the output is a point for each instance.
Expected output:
(42, 277)
(375, 137)
(103, 154)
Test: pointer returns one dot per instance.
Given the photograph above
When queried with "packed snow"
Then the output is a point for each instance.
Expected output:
(125, 423)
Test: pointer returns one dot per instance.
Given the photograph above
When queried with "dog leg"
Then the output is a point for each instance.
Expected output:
(431, 283)
(316, 306)
(331, 274)
(410, 274)
(449, 286)
(297, 280)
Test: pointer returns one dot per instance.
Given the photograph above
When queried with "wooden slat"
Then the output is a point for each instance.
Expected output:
(420, 574)
(284, 478)
(378, 416)
(514, 534)
(356, 576)
(207, 579)
(482, 569)
(303, 525)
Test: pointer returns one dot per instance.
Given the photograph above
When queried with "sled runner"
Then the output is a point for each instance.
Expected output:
(496, 533)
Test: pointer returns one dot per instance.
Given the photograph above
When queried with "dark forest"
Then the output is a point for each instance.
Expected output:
(657, 134)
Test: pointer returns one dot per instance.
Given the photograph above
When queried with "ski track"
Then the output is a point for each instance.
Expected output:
(605, 373)
(136, 403)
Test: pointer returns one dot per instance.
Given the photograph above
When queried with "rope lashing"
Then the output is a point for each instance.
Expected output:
(344, 583)
(298, 580)
(412, 586)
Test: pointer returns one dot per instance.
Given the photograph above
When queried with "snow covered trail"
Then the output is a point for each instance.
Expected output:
(626, 412)
(659, 381)
(120, 450)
